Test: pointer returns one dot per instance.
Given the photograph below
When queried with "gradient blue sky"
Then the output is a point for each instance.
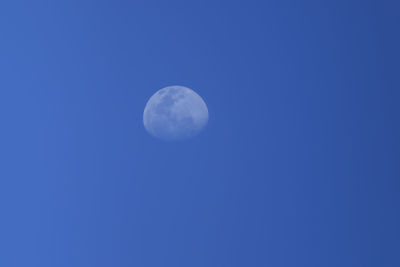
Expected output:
(298, 166)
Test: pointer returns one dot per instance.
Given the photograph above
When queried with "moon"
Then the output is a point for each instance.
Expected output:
(175, 112)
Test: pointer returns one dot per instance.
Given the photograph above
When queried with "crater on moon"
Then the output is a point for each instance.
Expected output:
(175, 112)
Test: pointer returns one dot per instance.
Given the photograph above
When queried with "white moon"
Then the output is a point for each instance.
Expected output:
(175, 112)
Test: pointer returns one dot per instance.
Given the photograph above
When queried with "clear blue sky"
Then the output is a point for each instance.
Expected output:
(298, 166)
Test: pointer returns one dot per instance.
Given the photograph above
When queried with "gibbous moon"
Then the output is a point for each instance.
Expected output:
(175, 112)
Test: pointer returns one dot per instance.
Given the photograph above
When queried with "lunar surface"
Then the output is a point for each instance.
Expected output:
(175, 112)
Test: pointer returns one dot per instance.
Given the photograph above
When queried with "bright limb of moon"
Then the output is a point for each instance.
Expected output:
(175, 112)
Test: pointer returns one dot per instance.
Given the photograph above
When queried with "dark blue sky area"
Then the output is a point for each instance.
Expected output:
(298, 165)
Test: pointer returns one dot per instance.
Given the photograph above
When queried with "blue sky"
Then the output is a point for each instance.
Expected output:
(298, 165)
